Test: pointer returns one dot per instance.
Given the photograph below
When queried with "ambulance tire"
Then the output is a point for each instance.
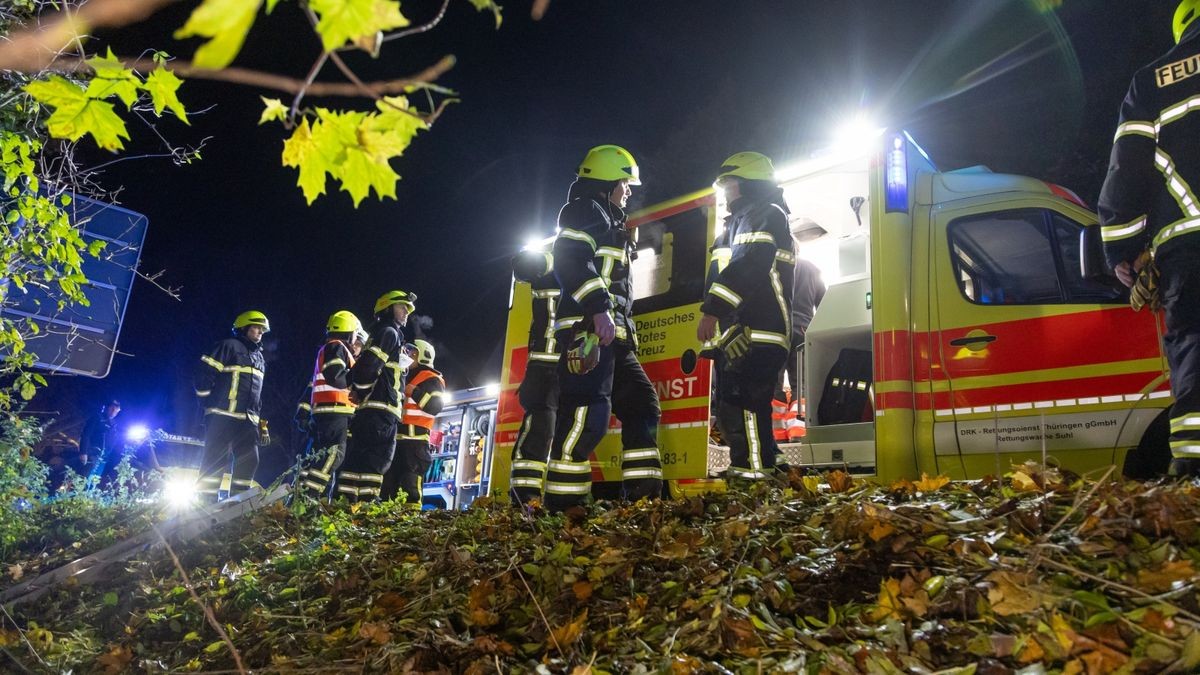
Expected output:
(1152, 457)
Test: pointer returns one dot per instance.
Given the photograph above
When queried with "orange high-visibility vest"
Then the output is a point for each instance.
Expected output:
(779, 415)
(412, 409)
(325, 395)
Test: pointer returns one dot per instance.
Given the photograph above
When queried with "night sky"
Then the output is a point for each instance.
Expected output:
(681, 84)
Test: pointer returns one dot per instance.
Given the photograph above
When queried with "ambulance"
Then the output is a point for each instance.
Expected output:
(959, 334)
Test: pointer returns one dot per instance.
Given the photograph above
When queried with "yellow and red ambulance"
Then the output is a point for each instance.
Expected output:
(961, 291)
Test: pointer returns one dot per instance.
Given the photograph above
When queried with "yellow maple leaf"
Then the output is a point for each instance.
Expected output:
(880, 529)
(570, 633)
(225, 23)
(927, 484)
(342, 21)
(1023, 482)
(888, 605)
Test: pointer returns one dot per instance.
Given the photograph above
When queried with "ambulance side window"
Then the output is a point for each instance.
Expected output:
(1022, 257)
(669, 268)
(1005, 258)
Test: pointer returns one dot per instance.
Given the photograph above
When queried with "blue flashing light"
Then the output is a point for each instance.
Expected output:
(896, 175)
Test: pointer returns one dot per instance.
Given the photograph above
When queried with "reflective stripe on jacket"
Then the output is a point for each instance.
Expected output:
(1149, 198)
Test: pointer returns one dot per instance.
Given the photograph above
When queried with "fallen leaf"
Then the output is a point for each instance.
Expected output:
(839, 481)
(116, 659)
(1023, 482)
(376, 632)
(927, 484)
(888, 605)
(1164, 577)
(570, 633)
(16, 572)
(582, 590)
(1013, 593)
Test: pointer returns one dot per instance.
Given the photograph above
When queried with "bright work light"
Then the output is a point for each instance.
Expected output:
(179, 492)
(137, 433)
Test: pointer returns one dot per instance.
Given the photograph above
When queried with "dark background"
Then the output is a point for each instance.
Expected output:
(681, 84)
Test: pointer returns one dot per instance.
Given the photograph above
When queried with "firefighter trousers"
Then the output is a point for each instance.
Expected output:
(618, 386)
(230, 457)
(1180, 292)
(538, 395)
(368, 455)
(327, 453)
(407, 472)
(744, 395)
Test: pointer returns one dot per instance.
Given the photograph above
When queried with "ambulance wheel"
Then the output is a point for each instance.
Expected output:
(1152, 457)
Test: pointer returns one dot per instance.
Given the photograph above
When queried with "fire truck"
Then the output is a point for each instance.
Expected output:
(957, 308)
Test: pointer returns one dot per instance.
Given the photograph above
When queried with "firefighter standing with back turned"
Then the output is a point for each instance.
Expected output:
(749, 294)
(229, 383)
(538, 392)
(599, 373)
(378, 388)
(329, 393)
(1150, 216)
(424, 397)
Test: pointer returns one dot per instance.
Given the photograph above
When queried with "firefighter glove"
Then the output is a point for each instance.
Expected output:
(1145, 289)
(584, 354)
(737, 343)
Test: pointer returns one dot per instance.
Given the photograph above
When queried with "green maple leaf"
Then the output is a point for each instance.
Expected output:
(389, 132)
(343, 21)
(75, 114)
(275, 110)
(162, 85)
(359, 172)
(481, 5)
(112, 77)
(300, 151)
(225, 23)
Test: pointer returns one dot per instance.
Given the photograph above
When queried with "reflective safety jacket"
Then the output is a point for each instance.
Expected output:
(229, 379)
(423, 400)
(378, 375)
(591, 261)
(537, 270)
(750, 274)
(1149, 199)
(331, 379)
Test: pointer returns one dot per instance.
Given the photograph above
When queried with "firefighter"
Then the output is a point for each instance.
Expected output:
(378, 389)
(749, 295)
(538, 392)
(229, 383)
(599, 372)
(1150, 217)
(329, 392)
(423, 400)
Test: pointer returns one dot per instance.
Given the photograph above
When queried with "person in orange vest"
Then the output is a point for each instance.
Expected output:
(329, 403)
(423, 400)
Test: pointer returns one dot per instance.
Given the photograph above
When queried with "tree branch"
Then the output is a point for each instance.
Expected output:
(264, 80)
(419, 29)
(36, 47)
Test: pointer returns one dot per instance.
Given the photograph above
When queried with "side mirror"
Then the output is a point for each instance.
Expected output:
(1092, 265)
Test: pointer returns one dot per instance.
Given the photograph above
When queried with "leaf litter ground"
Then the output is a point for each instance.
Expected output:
(1035, 572)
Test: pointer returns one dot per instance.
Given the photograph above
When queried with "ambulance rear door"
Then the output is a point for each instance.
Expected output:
(1027, 359)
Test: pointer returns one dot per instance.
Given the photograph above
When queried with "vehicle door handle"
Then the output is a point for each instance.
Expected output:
(972, 340)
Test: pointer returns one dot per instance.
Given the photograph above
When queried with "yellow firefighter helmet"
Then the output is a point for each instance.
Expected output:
(425, 353)
(396, 298)
(342, 322)
(252, 318)
(748, 165)
(609, 162)
(1185, 14)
